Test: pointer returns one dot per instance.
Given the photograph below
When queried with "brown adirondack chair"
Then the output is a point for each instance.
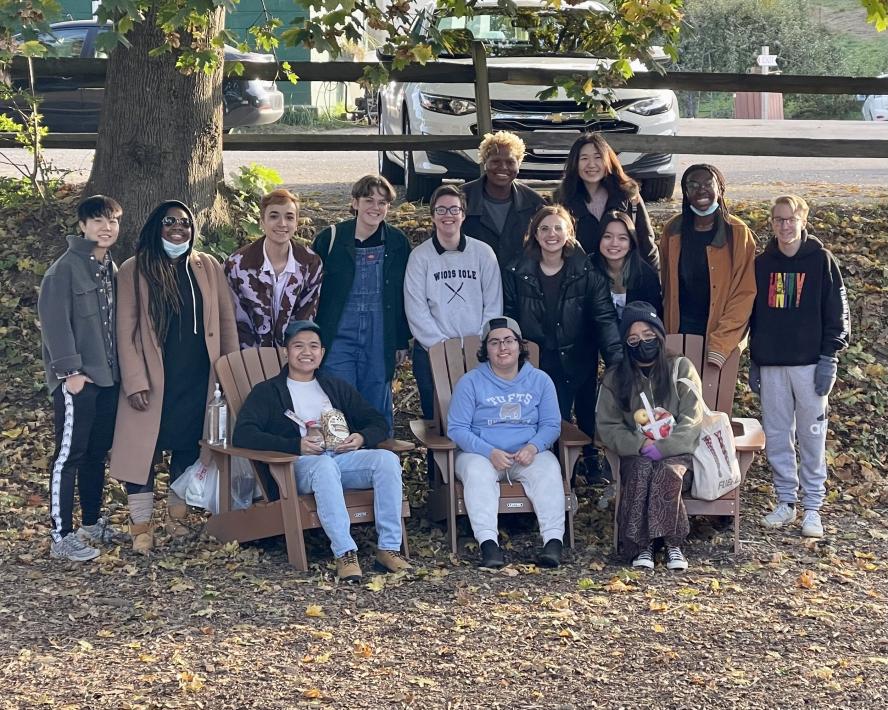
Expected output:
(281, 510)
(451, 360)
(718, 393)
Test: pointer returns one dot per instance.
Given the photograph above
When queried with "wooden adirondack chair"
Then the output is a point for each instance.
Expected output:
(718, 393)
(451, 360)
(281, 510)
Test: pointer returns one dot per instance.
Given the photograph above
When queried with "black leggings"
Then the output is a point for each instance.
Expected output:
(180, 459)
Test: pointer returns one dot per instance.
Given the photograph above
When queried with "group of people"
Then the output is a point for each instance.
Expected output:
(129, 355)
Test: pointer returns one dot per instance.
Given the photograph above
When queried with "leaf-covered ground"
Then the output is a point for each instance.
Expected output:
(785, 623)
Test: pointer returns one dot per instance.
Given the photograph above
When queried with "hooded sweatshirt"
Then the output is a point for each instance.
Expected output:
(488, 412)
(801, 306)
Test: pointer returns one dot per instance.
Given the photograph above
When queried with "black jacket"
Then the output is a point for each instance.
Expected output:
(589, 228)
(339, 275)
(508, 245)
(261, 423)
(587, 319)
(642, 282)
(801, 307)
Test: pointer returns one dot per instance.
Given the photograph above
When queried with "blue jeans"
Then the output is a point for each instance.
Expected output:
(329, 474)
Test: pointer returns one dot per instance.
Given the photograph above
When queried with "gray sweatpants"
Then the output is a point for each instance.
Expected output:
(791, 411)
(541, 480)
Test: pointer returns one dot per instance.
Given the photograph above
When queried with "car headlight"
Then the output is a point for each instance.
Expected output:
(651, 106)
(446, 104)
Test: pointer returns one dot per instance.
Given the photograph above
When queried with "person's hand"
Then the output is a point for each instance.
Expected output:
(352, 443)
(825, 372)
(501, 460)
(400, 357)
(755, 378)
(75, 383)
(311, 445)
(652, 452)
(139, 400)
(526, 454)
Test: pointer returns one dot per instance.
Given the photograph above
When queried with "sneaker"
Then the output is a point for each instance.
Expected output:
(347, 567)
(645, 558)
(491, 555)
(71, 547)
(811, 524)
(550, 555)
(102, 533)
(782, 515)
(675, 559)
(391, 561)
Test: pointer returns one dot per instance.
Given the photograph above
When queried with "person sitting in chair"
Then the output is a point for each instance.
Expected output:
(277, 416)
(504, 417)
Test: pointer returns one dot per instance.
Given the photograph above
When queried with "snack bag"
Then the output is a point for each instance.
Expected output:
(654, 422)
(334, 427)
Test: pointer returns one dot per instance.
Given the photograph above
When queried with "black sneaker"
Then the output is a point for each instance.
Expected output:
(491, 555)
(550, 555)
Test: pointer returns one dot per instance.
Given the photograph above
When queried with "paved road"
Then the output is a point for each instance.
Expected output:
(748, 177)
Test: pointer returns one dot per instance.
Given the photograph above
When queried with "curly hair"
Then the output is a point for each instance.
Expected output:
(615, 180)
(494, 142)
(532, 246)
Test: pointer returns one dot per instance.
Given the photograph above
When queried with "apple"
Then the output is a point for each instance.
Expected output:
(665, 430)
(641, 417)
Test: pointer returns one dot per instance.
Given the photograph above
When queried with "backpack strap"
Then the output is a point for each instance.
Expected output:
(332, 238)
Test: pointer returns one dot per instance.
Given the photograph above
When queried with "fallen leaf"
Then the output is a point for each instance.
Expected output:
(806, 579)
(314, 610)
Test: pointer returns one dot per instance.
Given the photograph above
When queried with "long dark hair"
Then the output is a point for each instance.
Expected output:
(687, 215)
(632, 263)
(159, 272)
(615, 181)
(627, 376)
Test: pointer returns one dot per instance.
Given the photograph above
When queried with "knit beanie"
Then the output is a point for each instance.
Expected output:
(640, 311)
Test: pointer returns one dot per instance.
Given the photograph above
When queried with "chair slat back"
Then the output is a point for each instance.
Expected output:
(240, 371)
(718, 384)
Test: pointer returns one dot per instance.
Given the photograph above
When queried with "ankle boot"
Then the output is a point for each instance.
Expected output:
(177, 510)
(143, 537)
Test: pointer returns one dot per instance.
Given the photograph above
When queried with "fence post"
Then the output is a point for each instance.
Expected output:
(482, 88)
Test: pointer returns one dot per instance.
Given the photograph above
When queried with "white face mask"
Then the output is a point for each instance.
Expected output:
(704, 213)
(174, 251)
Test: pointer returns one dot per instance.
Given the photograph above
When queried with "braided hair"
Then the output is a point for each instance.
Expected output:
(159, 272)
(687, 215)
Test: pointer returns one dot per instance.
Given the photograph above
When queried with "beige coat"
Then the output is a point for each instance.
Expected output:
(141, 362)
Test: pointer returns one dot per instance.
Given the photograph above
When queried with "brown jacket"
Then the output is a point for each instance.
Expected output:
(141, 362)
(732, 278)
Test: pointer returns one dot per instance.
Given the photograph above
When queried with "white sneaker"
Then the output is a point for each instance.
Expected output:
(645, 558)
(675, 559)
(72, 548)
(781, 516)
(101, 533)
(811, 524)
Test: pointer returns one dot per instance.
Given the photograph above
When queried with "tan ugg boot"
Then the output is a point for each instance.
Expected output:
(143, 537)
(177, 511)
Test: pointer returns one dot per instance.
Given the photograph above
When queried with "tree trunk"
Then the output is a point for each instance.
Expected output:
(160, 134)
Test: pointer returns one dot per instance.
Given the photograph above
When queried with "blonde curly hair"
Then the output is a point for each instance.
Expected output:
(501, 140)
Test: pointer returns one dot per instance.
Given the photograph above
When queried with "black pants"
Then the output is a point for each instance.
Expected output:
(422, 373)
(180, 459)
(84, 430)
(572, 399)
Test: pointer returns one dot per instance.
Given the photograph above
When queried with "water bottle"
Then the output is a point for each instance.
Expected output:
(217, 419)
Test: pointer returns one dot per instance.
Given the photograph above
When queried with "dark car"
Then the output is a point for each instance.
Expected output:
(68, 107)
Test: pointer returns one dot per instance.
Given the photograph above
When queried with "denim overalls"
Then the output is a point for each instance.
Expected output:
(357, 353)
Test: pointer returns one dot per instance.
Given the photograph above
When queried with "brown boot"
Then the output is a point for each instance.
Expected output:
(143, 537)
(177, 511)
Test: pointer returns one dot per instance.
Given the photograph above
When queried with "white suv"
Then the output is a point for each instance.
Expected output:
(426, 108)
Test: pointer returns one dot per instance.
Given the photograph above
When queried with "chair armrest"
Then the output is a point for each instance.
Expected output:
(572, 436)
(252, 454)
(426, 432)
(748, 434)
(398, 446)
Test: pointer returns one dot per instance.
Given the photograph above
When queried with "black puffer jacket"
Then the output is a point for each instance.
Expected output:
(587, 319)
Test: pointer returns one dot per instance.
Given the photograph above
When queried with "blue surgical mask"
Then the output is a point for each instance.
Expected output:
(701, 213)
(174, 251)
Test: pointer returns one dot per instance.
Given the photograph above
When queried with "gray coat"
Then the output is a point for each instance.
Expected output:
(75, 318)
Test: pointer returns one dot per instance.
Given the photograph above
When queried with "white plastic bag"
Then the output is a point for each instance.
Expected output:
(243, 483)
(199, 486)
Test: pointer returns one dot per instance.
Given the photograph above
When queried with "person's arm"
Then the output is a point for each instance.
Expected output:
(548, 417)
(602, 317)
(133, 370)
(459, 419)
(321, 244)
(647, 248)
(307, 299)
(251, 431)
(836, 314)
(611, 427)
(416, 304)
(55, 310)
(734, 320)
(402, 329)
(229, 340)
(237, 278)
(511, 306)
(689, 417)
(491, 285)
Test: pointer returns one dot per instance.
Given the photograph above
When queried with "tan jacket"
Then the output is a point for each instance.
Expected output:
(732, 285)
(141, 362)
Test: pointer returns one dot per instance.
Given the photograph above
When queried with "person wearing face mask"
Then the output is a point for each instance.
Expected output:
(707, 269)
(651, 472)
(499, 207)
(175, 317)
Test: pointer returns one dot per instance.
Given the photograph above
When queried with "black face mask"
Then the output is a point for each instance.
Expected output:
(645, 351)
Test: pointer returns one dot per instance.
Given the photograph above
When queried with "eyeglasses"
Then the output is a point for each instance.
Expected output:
(780, 221)
(496, 343)
(706, 185)
(452, 210)
(634, 340)
(172, 221)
